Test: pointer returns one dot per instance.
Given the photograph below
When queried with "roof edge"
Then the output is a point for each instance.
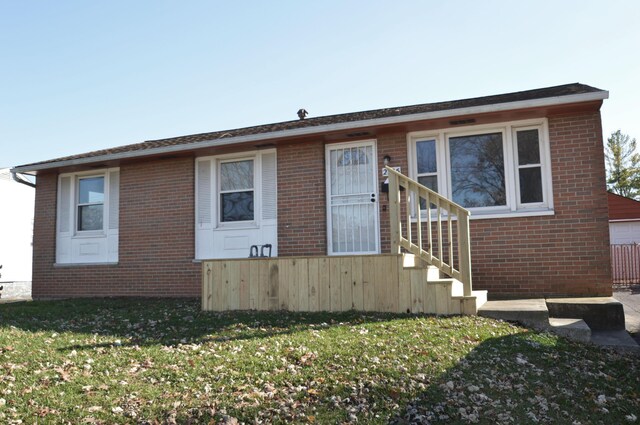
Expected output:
(307, 131)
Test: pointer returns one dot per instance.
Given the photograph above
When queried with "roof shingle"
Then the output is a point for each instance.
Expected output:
(548, 92)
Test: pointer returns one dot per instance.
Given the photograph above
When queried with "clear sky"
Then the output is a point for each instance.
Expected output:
(76, 76)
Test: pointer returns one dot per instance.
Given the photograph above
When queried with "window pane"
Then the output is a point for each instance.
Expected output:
(90, 217)
(236, 175)
(237, 206)
(432, 183)
(528, 147)
(429, 181)
(477, 170)
(530, 185)
(91, 190)
(426, 153)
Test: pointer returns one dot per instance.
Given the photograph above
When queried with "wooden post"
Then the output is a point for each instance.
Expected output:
(464, 248)
(394, 212)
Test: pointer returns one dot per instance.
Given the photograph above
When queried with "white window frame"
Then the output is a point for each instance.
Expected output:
(513, 207)
(211, 233)
(69, 243)
(104, 203)
(219, 192)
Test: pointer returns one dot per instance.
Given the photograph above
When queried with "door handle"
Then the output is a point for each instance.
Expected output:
(373, 197)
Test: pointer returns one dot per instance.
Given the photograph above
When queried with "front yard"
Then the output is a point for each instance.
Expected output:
(165, 361)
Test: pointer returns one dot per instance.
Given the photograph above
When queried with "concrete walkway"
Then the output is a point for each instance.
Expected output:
(630, 299)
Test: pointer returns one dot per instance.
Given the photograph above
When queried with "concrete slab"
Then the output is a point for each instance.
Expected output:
(15, 291)
(619, 340)
(629, 296)
(529, 312)
(600, 313)
(574, 329)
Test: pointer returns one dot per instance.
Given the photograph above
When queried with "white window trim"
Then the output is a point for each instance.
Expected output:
(513, 206)
(218, 223)
(104, 173)
(105, 202)
(106, 235)
(211, 234)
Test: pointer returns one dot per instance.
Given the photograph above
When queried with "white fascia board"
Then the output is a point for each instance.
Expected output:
(624, 220)
(307, 131)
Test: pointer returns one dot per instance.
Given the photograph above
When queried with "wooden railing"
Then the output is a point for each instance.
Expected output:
(437, 247)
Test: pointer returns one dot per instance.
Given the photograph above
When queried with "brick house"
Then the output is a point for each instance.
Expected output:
(624, 219)
(136, 220)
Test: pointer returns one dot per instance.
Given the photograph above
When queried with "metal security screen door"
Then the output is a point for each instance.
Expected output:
(352, 198)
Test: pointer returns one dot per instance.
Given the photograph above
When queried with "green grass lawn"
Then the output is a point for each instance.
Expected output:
(165, 361)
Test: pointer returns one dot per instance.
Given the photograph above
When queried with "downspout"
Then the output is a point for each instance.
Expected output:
(21, 179)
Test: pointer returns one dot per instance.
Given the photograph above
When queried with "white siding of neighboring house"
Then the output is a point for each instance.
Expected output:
(624, 232)
(16, 229)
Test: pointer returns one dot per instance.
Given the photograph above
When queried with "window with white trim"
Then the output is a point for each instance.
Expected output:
(236, 204)
(90, 203)
(236, 191)
(87, 217)
(494, 170)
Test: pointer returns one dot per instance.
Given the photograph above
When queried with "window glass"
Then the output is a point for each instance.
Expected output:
(236, 191)
(529, 166)
(528, 147)
(477, 170)
(237, 206)
(426, 153)
(236, 175)
(91, 190)
(90, 217)
(530, 185)
(90, 203)
(429, 181)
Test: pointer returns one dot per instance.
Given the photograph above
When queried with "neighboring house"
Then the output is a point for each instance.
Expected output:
(16, 231)
(135, 220)
(624, 220)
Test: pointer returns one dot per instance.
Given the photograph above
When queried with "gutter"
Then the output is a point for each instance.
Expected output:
(20, 179)
(498, 107)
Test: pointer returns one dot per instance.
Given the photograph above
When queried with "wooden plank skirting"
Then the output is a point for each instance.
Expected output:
(330, 283)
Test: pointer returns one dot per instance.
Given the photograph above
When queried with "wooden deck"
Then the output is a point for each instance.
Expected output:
(384, 283)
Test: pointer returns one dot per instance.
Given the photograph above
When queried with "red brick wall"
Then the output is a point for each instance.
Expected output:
(156, 248)
(563, 254)
(302, 219)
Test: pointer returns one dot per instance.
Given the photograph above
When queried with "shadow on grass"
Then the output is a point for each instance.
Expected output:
(161, 321)
(530, 377)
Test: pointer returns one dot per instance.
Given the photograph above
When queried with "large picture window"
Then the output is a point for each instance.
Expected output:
(490, 169)
(477, 170)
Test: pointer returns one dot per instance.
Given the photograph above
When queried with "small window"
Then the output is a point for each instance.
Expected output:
(236, 191)
(90, 205)
(529, 166)
(427, 164)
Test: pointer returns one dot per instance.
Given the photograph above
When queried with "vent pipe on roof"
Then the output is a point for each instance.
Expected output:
(302, 113)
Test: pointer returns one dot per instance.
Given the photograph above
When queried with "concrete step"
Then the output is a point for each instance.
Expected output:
(600, 313)
(574, 329)
(618, 340)
(529, 312)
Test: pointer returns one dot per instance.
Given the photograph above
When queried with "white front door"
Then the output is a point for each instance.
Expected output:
(352, 198)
